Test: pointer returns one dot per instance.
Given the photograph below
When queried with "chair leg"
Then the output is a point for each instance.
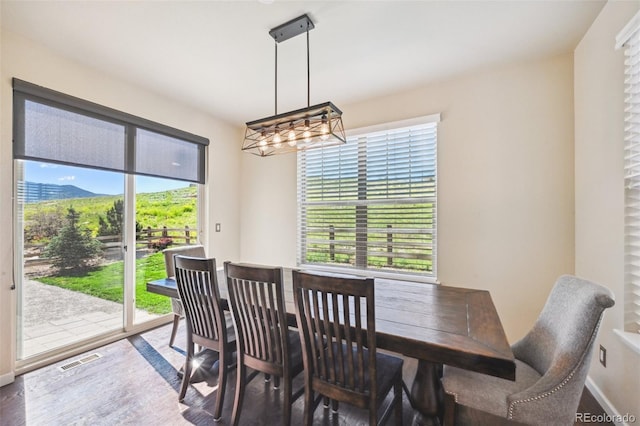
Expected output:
(397, 395)
(326, 401)
(174, 330)
(286, 409)
(186, 375)
(373, 415)
(222, 383)
(240, 383)
(309, 406)
(335, 405)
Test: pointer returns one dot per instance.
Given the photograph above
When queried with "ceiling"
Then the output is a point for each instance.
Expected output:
(218, 56)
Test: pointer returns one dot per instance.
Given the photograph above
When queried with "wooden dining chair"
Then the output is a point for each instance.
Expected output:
(265, 343)
(336, 318)
(206, 324)
(176, 304)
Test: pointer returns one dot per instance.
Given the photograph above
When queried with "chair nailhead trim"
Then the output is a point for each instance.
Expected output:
(564, 382)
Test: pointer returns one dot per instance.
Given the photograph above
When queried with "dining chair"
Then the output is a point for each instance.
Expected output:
(176, 304)
(336, 318)
(206, 324)
(552, 362)
(264, 341)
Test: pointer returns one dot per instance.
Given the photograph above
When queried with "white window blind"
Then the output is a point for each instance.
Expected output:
(371, 203)
(631, 42)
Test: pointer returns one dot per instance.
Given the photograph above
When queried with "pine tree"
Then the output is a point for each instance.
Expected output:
(113, 223)
(73, 247)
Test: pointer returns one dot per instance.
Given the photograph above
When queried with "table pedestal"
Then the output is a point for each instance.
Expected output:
(427, 395)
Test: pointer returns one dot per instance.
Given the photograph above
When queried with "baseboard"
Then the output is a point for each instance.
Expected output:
(5, 379)
(604, 402)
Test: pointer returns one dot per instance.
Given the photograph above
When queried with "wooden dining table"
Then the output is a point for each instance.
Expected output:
(435, 324)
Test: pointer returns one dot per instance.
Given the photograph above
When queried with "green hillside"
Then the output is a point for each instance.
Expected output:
(173, 209)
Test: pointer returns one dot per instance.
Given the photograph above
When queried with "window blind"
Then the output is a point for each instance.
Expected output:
(54, 127)
(632, 177)
(371, 204)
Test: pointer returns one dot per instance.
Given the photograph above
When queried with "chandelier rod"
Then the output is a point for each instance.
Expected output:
(276, 77)
(308, 72)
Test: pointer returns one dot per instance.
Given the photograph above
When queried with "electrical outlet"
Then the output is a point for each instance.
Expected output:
(603, 356)
(217, 227)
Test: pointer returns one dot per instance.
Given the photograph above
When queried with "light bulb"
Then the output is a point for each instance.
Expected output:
(292, 137)
(262, 141)
(277, 140)
(307, 136)
(324, 129)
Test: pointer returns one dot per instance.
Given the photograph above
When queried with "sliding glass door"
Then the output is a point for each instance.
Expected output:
(166, 215)
(72, 278)
(74, 261)
(98, 195)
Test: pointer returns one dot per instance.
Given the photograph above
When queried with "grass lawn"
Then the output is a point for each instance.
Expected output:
(106, 282)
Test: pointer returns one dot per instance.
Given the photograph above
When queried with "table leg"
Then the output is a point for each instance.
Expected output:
(427, 393)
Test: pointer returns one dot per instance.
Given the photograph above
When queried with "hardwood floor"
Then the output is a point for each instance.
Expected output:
(135, 382)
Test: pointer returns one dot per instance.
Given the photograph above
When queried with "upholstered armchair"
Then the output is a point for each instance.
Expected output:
(552, 362)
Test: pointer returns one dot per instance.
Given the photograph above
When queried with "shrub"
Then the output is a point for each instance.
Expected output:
(44, 224)
(162, 243)
(73, 247)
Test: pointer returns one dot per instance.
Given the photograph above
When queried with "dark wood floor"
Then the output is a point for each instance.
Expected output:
(135, 382)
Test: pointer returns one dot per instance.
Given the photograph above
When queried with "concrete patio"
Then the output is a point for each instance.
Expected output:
(54, 316)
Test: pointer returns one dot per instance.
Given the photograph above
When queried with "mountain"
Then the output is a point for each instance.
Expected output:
(32, 192)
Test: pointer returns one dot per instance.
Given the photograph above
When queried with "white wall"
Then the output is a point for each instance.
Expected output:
(30, 62)
(599, 193)
(505, 169)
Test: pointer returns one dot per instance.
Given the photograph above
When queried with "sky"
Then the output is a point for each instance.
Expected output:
(96, 181)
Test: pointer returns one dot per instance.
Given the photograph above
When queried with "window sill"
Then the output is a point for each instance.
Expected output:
(632, 340)
(370, 273)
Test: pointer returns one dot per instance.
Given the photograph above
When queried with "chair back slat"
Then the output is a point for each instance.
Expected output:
(359, 343)
(198, 289)
(256, 296)
(343, 368)
(350, 380)
(336, 316)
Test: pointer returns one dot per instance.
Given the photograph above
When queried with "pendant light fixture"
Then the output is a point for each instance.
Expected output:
(312, 127)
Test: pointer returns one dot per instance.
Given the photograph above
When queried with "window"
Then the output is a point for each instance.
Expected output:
(630, 39)
(371, 204)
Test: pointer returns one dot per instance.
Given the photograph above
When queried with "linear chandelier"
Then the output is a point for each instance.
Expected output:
(306, 128)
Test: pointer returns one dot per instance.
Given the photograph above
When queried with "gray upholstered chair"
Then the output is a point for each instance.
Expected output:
(176, 304)
(552, 362)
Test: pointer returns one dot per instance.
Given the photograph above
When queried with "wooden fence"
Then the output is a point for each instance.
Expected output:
(415, 250)
(178, 236)
(148, 238)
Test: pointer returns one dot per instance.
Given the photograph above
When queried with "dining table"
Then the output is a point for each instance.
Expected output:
(433, 323)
